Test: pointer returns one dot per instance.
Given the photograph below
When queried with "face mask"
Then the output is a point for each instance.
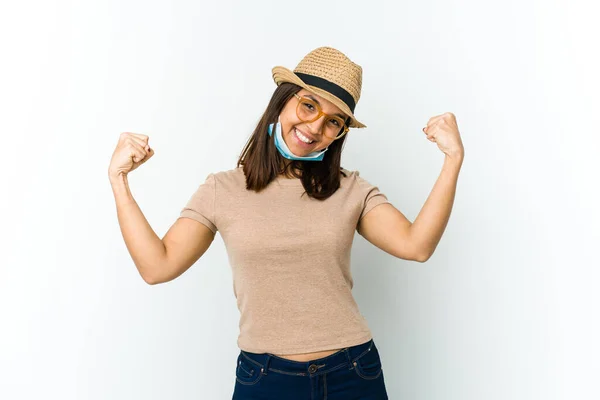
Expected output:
(285, 151)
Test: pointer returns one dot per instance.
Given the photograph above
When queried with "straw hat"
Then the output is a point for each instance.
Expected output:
(328, 73)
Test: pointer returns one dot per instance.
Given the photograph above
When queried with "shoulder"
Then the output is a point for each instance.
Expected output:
(357, 183)
(354, 176)
(231, 177)
(349, 176)
(348, 173)
(229, 174)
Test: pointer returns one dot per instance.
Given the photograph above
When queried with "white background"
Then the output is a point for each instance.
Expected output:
(507, 307)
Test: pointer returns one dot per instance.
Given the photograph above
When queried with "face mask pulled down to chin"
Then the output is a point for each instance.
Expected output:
(286, 152)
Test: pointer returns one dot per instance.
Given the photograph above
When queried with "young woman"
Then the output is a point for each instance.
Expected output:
(287, 215)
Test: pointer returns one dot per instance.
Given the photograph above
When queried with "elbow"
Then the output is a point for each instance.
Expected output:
(150, 281)
(157, 276)
(423, 257)
(422, 252)
(419, 249)
(150, 277)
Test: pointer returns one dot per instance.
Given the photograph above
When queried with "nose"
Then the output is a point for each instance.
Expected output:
(317, 125)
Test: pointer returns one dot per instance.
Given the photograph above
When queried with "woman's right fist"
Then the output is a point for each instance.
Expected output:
(131, 152)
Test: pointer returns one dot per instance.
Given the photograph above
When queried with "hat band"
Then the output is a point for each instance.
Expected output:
(330, 87)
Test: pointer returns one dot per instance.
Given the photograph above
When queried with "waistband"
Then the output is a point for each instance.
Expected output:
(268, 362)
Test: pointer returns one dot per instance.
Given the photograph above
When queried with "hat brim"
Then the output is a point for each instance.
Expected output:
(282, 74)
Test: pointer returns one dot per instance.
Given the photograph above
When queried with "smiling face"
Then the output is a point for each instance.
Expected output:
(303, 138)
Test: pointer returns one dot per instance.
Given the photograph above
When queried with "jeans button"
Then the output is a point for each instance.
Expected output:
(313, 368)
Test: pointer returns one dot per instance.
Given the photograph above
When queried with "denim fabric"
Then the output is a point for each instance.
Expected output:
(352, 373)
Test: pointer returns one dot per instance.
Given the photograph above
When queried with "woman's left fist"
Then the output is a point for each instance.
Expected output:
(443, 130)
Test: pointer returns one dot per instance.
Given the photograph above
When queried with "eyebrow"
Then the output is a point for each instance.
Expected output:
(342, 116)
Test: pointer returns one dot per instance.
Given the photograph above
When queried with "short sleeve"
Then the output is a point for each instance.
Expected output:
(370, 195)
(201, 206)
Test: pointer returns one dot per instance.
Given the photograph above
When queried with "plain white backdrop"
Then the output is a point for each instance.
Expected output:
(506, 308)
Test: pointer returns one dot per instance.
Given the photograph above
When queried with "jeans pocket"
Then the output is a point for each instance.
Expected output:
(247, 372)
(368, 364)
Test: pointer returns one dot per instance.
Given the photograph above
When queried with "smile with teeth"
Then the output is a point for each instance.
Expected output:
(303, 138)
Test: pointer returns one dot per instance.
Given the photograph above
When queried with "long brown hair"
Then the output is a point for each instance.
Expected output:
(262, 162)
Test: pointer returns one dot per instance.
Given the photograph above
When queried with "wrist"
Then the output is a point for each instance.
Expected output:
(117, 179)
(454, 162)
(456, 157)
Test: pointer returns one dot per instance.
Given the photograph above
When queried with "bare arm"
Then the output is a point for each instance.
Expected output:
(387, 228)
(158, 260)
(429, 225)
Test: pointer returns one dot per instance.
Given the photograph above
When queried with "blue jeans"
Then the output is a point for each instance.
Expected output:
(352, 373)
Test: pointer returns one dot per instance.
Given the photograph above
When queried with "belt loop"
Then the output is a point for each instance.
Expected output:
(266, 367)
(348, 356)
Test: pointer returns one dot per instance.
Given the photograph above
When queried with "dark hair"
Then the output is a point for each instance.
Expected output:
(262, 162)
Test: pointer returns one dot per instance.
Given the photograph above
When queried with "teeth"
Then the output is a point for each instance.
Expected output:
(302, 137)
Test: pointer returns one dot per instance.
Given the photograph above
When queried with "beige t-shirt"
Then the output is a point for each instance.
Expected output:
(290, 259)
